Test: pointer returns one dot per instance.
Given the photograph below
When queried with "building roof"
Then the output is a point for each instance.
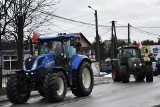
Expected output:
(85, 39)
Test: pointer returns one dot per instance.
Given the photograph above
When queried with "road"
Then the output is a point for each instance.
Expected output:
(133, 94)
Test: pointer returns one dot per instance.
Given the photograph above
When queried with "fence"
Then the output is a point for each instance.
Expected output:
(8, 59)
(8, 64)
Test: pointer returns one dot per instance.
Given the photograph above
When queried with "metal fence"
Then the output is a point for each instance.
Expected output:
(8, 59)
(8, 64)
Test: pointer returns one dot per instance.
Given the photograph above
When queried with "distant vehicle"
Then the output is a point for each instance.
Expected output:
(129, 61)
(154, 66)
(158, 66)
(106, 66)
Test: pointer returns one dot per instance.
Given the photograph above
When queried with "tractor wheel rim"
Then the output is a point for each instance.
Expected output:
(61, 86)
(86, 78)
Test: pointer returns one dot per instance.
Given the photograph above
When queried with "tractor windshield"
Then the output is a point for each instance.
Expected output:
(131, 52)
(50, 47)
(57, 48)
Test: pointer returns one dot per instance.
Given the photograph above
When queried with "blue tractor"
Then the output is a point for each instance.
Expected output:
(57, 66)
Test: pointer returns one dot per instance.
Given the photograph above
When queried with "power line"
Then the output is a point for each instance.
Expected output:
(146, 32)
(106, 31)
(80, 22)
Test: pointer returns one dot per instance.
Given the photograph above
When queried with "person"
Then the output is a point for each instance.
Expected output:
(146, 58)
(69, 50)
(128, 54)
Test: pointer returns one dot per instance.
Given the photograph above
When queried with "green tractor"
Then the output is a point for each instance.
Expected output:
(129, 61)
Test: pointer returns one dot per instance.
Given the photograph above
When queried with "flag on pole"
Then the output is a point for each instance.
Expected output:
(138, 45)
(35, 37)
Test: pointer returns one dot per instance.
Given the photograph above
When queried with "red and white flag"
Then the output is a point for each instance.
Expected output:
(139, 45)
(35, 36)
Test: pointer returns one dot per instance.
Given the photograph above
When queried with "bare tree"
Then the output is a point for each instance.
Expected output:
(25, 15)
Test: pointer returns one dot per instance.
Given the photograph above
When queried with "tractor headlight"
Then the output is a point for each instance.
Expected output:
(135, 65)
(140, 64)
(34, 65)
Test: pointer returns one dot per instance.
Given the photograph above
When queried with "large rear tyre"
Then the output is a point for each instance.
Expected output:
(124, 74)
(149, 73)
(84, 82)
(15, 90)
(55, 87)
(115, 74)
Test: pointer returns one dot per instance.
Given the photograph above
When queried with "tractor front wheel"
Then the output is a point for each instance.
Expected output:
(84, 81)
(41, 92)
(115, 74)
(149, 73)
(55, 87)
(16, 91)
(125, 74)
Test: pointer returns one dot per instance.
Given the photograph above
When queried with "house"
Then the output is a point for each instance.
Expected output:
(86, 48)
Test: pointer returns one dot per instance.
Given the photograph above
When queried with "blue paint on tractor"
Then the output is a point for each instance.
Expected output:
(48, 63)
(77, 60)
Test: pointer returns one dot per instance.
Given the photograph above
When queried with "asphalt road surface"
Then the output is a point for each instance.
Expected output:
(133, 94)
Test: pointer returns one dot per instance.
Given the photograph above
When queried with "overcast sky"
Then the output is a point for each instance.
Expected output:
(139, 13)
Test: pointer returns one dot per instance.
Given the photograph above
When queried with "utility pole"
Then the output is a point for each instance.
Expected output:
(0, 54)
(97, 36)
(113, 41)
(129, 34)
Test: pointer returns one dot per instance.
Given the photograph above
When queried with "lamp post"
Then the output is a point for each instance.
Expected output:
(97, 35)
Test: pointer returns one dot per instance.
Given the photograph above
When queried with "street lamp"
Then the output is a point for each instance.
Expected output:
(97, 35)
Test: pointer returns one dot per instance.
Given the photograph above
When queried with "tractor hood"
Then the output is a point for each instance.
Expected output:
(34, 63)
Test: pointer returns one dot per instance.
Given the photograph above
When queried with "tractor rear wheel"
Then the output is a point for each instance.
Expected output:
(149, 73)
(84, 81)
(16, 91)
(55, 87)
(115, 74)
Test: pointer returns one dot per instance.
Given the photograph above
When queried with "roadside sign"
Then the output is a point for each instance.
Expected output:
(155, 50)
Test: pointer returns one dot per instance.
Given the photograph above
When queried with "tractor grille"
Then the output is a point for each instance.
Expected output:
(29, 62)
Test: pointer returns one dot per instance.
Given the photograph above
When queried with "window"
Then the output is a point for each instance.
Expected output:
(9, 62)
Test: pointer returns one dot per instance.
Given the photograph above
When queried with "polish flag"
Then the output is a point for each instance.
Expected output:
(35, 37)
(139, 45)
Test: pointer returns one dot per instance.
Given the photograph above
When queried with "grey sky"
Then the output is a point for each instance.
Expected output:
(136, 12)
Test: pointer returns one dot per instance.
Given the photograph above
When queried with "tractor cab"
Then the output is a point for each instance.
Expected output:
(60, 47)
(128, 53)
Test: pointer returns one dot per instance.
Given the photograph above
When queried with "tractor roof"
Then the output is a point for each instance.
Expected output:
(129, 46)
(55, 37)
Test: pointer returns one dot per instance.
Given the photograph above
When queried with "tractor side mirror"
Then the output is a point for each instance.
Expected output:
(72, 41)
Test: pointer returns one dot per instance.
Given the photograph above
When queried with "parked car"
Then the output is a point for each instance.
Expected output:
(106, 66)
(154, 66)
